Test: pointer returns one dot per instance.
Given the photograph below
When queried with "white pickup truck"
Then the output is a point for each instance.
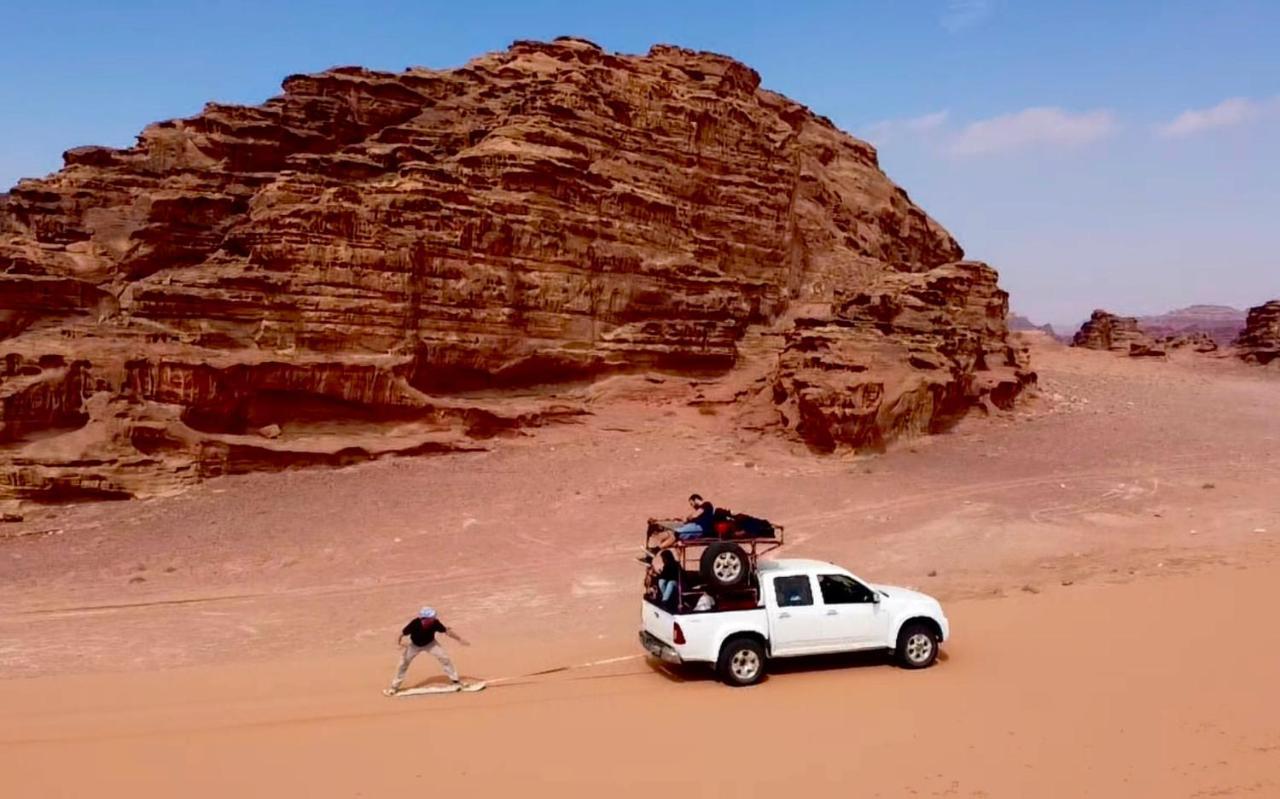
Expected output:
(804, 607)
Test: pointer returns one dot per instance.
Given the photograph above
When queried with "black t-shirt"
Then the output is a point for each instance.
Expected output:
(706, 516)
(422, 632)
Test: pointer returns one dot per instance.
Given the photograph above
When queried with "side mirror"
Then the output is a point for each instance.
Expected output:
(875, 597)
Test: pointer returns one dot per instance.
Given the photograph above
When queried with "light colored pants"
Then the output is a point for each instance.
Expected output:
(411, 652)
(667, 588)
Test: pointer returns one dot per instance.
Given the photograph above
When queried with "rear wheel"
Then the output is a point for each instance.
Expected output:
(725, 565)
(742, 662)
(917, 646)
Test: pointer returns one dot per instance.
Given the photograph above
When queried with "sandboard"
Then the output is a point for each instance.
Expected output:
(469, 687)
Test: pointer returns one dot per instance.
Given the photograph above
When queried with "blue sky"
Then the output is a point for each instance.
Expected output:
(1114, 154)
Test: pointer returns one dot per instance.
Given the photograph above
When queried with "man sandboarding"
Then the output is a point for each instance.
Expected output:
(421, 632)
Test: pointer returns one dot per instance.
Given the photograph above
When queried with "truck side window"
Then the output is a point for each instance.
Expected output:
(792, 591)
(840, 590)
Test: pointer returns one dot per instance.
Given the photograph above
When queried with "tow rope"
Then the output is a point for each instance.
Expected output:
(559, 669)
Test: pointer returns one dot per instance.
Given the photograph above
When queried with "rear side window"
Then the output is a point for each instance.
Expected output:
(792, 591)
(840, 590)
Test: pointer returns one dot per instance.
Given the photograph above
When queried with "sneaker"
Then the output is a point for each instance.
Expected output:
(645, 559)
(389, 691)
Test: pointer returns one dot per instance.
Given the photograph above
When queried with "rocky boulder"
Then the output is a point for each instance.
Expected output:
(1106, 331)
(1260, 341)
(374, 263)
(1200, 341)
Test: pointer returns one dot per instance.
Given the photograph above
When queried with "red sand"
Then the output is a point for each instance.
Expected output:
(249, 656)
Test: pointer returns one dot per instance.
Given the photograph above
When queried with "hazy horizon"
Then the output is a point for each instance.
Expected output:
(1097, 156)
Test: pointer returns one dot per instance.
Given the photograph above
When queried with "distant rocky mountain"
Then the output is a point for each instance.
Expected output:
(1220, 322)
(1019, 323)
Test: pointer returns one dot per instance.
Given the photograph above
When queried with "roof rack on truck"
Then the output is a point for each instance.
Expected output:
(722, 562)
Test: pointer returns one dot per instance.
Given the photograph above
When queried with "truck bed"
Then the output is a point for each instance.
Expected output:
(703, 631)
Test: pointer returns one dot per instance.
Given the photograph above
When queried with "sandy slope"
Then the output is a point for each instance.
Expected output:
(1155, 688)
(1099, 552)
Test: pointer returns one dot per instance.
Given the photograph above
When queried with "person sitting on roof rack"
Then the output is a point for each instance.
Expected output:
(698, 524)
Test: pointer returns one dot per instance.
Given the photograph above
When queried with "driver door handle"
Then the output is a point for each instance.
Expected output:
(832, 612)
(784, 615)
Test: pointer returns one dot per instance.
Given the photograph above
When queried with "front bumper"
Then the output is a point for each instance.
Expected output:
(656, 647)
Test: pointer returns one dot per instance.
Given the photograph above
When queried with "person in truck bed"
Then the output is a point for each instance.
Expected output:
(668, 571)
(696, 525)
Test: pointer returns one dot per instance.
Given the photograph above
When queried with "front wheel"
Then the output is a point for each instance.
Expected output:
(742, 662)
(917, 646)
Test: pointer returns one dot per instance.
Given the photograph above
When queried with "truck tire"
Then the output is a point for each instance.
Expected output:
(742, 662)
(725, 566)
(917, 646)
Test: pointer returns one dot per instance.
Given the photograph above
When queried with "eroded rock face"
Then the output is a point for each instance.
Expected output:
(1260, 341)
(347, 260)
(908, 355)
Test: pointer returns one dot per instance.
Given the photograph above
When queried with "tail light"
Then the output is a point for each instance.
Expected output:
(677, 634)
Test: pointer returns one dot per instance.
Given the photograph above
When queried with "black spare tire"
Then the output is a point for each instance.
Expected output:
(725, 565)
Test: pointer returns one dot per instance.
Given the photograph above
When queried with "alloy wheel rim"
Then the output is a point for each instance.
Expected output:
(919, 648)
(726, 566)
(745, 664)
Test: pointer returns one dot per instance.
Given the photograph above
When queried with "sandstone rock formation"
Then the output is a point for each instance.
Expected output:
(373, 263)
(1260, 341)
(1129, 335)
(841, 377)
(1106, 331)
(1221, 323)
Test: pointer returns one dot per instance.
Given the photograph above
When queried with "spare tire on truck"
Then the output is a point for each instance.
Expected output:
(725, 565)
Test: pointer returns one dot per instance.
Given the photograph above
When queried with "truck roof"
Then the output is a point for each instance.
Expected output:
(795, 564)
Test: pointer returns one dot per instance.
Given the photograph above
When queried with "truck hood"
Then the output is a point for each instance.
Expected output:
(897, 595)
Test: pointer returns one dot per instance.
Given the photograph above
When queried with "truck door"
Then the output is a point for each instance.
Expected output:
(852, 619)
(795, 621)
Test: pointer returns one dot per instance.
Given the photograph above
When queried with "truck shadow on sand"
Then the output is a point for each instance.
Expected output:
(694, 673)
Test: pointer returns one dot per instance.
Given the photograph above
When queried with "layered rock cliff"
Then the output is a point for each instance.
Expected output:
(371, 263)
(1259, 342)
